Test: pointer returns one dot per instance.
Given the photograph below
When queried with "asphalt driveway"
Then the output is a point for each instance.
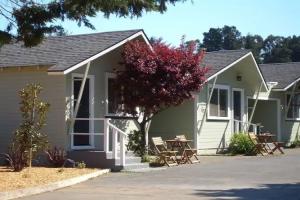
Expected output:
(216, 177)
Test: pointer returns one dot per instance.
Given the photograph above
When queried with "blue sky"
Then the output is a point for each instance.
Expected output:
(264, 17)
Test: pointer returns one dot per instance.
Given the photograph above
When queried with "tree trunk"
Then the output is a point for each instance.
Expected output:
(143, 132)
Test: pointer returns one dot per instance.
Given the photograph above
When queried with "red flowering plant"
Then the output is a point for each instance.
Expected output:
(158, 77)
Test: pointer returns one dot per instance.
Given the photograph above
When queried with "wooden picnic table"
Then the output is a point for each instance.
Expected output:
(181, 146)
(177, 143)
(266, 139)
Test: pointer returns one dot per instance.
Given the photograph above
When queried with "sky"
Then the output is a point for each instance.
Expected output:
(192, 18)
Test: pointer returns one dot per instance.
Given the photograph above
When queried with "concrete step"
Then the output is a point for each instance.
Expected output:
(147, 169)
(127, 154)
(130, 160)
(135, 166)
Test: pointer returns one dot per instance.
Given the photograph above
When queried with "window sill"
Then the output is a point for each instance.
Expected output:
(218, 118)
(292, 119)
(119, 116)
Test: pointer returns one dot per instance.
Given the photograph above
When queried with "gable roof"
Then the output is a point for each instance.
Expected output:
(62, 52)
(219, 60)
(286, 74)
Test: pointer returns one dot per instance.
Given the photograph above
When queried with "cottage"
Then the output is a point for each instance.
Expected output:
(237, 95)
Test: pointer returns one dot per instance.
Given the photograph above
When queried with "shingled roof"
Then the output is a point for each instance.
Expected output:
(218, 60)
(283, 73)
(61, 52)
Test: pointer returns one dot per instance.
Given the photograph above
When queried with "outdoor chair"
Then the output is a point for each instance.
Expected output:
(165, 155)
(259, 147)
(189, 153)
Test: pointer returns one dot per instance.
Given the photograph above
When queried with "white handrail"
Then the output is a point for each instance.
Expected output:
(123, 135)
(116, 128)
(244, 126)
(115, 132)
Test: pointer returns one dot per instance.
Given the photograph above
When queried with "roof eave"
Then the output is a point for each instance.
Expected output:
(107, 50)
(235, 62)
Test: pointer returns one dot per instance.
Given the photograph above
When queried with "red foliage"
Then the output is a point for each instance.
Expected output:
(157, 78)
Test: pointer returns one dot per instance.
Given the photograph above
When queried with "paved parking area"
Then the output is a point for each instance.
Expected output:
(216, 177)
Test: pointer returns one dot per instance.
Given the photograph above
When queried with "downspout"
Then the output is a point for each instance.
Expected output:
(254, 106)
(207, 104)
(79, 96)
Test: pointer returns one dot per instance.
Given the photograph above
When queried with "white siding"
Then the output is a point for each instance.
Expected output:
(10, 116)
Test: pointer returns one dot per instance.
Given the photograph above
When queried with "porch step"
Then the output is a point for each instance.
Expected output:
(135, 167)
(130, 160)
(127, 154)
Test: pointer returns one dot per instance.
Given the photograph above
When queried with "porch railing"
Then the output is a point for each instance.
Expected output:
(118, 139)
(240, 126)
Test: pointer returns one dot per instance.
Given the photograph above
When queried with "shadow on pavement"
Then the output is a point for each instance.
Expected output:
(289, 191)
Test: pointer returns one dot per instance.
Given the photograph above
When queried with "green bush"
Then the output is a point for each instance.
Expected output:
(241, 144)
(80, 165)
(135, 143)
(295, 144)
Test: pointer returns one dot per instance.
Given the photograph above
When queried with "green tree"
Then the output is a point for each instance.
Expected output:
(228, 38)
(32, 20)
(276, 50)
(28, 138)
(293, 44)
(255, 43)
(231, 38)
(213, 39)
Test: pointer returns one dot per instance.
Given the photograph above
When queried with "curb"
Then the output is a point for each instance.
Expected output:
(51, 186)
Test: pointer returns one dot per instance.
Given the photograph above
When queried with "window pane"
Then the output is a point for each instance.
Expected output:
(114, 101)
(223, 103)
(296, 105)
(290, 111)
(213, 105)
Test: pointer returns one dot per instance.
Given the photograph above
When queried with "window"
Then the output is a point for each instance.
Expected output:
(294, 109)
(218, 106)
(113, 98)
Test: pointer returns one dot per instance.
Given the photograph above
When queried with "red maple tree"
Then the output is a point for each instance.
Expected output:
(154, 79)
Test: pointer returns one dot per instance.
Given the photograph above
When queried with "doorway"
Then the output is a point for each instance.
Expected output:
(237, 109)
(83, 127)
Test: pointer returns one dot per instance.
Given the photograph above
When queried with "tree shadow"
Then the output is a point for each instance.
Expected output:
(288, 191)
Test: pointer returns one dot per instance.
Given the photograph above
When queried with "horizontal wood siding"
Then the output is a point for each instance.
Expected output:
(174, 121)
(10, 116)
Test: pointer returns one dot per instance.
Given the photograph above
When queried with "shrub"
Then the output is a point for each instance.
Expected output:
(135, 143)
(80, 165)
(241, 144)
(295, 144)
(56, 156)
(146, 158)
(29, 139)
(15, 158)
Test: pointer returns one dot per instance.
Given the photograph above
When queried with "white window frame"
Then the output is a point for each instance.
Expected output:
(286, 106)
(223, 87)
(91, 110)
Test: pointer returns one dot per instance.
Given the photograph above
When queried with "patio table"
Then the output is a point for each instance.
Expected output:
(181, 146)
(268, 138)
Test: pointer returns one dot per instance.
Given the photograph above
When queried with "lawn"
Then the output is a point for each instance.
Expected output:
(35, 176)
